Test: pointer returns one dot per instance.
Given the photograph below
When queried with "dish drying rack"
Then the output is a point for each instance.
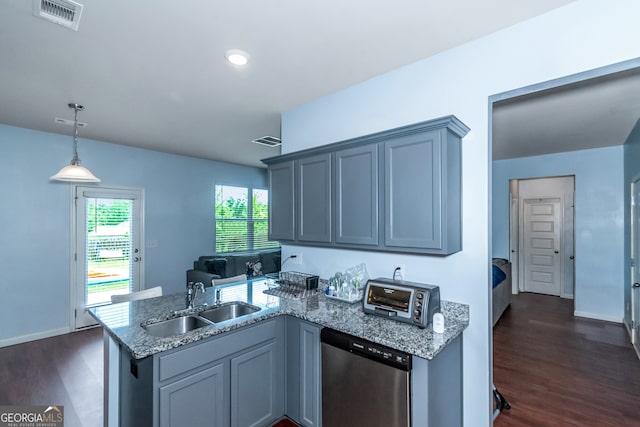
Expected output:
(293, 285)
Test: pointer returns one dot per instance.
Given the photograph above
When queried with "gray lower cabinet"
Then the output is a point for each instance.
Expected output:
(197, 399)
(304, 387)
(257, 386)
(234, 379)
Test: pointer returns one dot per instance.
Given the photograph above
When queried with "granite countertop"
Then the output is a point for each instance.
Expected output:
(123, 321)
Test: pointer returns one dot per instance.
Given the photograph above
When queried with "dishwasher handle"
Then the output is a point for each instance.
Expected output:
(370, 350)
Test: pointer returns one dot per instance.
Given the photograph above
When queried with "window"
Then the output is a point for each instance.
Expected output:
(240, 225)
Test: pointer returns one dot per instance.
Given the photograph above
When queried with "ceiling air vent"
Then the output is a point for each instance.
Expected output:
(68, 122)
(269, 141)
(63, 12)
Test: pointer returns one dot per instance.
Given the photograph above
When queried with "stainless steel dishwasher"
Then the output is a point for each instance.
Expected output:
(363, 383)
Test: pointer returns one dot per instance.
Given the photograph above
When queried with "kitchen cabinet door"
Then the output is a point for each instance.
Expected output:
(422, 192)
(304, 387)
(356, 182)
(257, 386)
(310, 382)
(412, 191)
(281, 201)
(314, 196)
(196, 400)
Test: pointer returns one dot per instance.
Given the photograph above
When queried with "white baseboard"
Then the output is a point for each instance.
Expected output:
(628, 327)
(32, 337)
(597, 316)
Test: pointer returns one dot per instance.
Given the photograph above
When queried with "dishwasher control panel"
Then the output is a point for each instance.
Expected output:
(383, 352)
(362, 347)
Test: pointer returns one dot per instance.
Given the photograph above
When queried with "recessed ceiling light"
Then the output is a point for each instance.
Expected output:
(237, 56)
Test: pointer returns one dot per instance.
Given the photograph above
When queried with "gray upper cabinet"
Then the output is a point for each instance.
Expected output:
(314, 193)
(281, 201)
(412, 191)
(422, 191)
(397, 191)
(356, 194)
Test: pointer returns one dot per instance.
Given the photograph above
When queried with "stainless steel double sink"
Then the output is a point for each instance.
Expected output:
(189, 322)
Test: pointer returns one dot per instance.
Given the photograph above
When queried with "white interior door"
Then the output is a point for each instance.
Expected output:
(108, 250)
(542, 224)
(635, 265)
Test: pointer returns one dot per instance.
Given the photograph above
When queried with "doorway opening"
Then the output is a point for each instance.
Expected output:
(107, 248)
(542, 235)
(530, 117)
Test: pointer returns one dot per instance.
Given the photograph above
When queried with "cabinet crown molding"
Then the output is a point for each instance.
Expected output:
(450, 122)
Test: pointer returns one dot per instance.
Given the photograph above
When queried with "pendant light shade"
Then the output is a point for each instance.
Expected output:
(74, 172)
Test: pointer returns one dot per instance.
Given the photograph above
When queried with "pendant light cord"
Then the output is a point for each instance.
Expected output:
(76, 107)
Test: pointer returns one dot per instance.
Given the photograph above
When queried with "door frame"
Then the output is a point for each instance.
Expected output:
(516, 219)
(631, 326)
(528, 90)
(73, 247)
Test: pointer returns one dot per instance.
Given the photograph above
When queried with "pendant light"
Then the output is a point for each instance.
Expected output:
(74, 172)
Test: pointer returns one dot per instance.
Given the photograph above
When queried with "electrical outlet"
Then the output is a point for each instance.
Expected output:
(398, 272)
(296, 259)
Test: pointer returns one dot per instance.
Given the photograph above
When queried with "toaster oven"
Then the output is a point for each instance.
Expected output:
(409, 302)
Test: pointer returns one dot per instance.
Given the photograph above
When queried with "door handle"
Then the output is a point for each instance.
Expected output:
(636, 285)
(136, 259)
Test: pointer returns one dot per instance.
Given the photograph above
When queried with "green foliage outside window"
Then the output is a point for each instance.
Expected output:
(113, 213)
(240, 226)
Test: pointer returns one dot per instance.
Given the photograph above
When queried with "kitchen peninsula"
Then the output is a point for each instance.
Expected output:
(258, 367)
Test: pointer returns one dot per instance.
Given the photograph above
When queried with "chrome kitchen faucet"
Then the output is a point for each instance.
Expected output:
(192, 292)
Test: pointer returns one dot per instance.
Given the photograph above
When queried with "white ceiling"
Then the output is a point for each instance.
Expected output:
(152, 74)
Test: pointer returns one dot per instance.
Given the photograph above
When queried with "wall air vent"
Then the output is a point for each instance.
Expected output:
(63, 12)
(269, 141)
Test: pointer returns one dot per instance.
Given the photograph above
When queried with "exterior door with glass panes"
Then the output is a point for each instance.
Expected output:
(108, 252)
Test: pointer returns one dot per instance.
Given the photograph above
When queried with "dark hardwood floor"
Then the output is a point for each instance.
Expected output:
(64, 370)
(555, 369)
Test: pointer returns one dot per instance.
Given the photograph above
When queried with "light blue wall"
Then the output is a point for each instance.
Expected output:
(460, 81)
(631, 174)
(35, 218)
(599, 221)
